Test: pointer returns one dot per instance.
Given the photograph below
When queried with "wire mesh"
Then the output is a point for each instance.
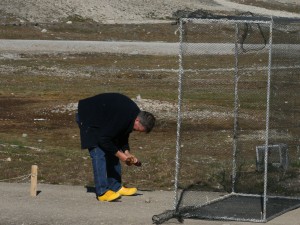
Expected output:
(221, 83)
(285, 105)
(237, 94)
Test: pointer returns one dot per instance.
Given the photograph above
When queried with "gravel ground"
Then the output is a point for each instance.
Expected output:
(126, 11)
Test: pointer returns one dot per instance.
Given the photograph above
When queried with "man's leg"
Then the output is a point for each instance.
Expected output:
(99, 169)
(99, 162)
(114, 176)
(114, 170)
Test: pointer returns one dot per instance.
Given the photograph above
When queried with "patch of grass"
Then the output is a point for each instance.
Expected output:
(83, 29)
(33, 87)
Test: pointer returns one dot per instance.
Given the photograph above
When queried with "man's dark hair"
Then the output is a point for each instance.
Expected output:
(147, 120)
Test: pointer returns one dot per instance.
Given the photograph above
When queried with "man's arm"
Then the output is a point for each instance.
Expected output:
(127, 152)
(121, 155)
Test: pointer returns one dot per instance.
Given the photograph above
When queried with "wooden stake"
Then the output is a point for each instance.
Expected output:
(33, 188)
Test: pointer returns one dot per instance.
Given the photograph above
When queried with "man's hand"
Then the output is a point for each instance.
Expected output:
(128, 158)
(133, 161)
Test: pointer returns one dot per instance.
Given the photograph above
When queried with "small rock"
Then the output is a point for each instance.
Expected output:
(69, 22)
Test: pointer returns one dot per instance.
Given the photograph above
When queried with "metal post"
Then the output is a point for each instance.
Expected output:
(236, 107)
(267, 123)
(180, 75)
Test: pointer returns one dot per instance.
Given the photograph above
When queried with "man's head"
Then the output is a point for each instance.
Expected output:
(144, 122)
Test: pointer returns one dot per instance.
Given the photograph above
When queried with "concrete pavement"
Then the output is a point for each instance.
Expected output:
(76, 205)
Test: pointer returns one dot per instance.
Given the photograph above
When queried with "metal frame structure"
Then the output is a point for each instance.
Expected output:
(269, 22)
(279, 160)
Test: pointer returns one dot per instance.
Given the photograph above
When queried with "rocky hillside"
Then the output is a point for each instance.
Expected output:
(124, 11)
(101, 10)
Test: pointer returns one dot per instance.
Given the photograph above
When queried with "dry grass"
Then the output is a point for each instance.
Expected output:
(34, 87)
(85, 30)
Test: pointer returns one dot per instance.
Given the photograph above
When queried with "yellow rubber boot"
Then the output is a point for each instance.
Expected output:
(109, 196)
(127, 191)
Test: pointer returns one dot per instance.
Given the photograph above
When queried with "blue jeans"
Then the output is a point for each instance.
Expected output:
(107, 171)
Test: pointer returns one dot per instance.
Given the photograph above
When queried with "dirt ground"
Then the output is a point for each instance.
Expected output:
(39, 91)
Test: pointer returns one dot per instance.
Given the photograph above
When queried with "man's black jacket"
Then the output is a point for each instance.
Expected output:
(106, 120)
